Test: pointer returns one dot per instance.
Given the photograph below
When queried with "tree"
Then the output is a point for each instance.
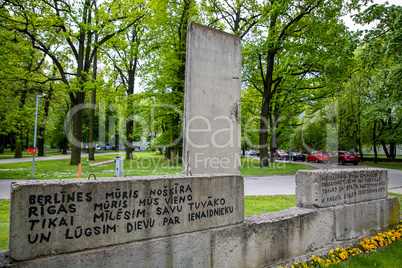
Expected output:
(64, 31)
(126, 52)
(381, 68)
(22, 77)
(293, 49)
(239, 16)
(166, 72)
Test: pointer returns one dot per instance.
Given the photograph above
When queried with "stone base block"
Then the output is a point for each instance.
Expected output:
(366, 218)
(270, 237)
(182, 251)
(61, 216)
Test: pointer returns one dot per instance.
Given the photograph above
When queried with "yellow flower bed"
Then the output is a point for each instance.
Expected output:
(365, 246)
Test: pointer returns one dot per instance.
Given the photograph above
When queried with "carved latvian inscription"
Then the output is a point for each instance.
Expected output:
(336, 187)
(64, 216)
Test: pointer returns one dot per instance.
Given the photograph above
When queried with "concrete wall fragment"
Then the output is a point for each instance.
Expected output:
(212, 138)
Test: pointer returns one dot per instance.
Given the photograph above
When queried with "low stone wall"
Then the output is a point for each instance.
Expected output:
(266, 240)
(326, 188)
(61, 216)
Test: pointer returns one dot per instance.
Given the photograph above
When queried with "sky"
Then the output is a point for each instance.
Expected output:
(352, 26)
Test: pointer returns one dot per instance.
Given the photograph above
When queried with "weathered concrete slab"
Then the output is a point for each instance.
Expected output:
(59, 216)
(364, 219)
(326, 188)
(212, 138)
(267, 238)
(181, 251)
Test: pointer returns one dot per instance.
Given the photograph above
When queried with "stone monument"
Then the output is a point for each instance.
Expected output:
(197, 220)
(212, 137)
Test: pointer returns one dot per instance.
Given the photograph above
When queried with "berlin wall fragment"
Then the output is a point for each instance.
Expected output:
(61, 216)
(212, 138)
(326, 188)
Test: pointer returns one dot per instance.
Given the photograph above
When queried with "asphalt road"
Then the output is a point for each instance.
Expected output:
(263, 185)
(273, 185)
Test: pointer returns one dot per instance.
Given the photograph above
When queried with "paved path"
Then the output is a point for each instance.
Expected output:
(272, 185)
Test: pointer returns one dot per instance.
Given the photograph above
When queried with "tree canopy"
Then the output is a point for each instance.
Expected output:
(115, 70)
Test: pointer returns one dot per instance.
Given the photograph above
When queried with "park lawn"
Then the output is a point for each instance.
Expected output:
(4, 223)
(251, 167)
(8, 154)
(392, 165)
(142, 164)
(258, 204)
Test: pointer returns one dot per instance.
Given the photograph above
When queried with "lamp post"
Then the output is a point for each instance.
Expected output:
(290, 141)
(36, 128)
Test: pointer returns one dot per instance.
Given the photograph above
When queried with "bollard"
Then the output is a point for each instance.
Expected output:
(79, 170)
(119, 166)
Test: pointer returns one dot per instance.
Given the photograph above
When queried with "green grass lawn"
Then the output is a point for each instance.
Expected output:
(142, 164)
(392, 165)
(4, 223)
(8, 154)
(254, 205)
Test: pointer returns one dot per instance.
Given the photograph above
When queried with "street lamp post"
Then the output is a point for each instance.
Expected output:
(36, 128)
(290, 141)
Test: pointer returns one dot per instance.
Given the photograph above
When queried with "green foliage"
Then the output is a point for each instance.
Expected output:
(298, 59)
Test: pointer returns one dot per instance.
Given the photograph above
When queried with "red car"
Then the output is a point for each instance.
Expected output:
(318, 156)
(281, 154)
(343, 157)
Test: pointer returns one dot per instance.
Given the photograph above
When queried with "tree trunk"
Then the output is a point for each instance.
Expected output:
(42, 127)
(263, 135)
(392, 150)
(129, 139)
(64, 145)
(374, 141)
(360, 148)
(91, 134)
(129, 122)
(18, 147)
(116, 142)
(173, 156)
(385, 149)
(77, 129)
(2, 139)
(41, 141)
(91, 131)
(265, 107)
(12, 142)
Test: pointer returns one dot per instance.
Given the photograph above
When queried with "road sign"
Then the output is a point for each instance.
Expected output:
(32, 150)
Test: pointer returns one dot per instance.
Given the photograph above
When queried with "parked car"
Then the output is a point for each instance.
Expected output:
(318, 156)
(281, 154)
(343, 157)
(253, 152)
(298, 156)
